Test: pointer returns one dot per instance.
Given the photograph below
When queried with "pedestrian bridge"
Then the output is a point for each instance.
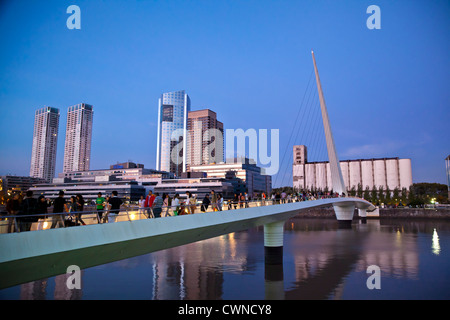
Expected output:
(32, 255)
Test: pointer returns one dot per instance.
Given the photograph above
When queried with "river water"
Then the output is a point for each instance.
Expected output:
(320, 261)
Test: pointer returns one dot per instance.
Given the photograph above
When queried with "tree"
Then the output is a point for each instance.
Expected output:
(360, 190)
(404, 196)
(388, 195)
(374, 195)
(396, 195)
(381, 197)
(367, 194)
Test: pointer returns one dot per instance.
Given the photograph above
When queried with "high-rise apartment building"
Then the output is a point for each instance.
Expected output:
(77, 151)
(173, 108)
(205, 138)
(45, 138)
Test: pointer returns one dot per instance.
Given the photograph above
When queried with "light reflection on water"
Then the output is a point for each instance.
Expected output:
(320, 262)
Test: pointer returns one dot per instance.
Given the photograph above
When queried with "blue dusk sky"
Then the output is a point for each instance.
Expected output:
(387, 90)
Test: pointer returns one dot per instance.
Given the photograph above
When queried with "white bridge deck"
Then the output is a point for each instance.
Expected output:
(33, 255)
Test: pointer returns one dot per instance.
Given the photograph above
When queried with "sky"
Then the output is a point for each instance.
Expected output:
(387, 90)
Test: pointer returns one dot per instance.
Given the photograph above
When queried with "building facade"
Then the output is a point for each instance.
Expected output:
(205, 138)
(129, 179)
(173, 108)
(198, 187)
(128, 190)
(10, 185)
(45, 140)
(124, 171)
(77, 150)
(243, 173)
(368, 173)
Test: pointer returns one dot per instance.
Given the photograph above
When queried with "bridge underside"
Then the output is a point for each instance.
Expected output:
(35, 255)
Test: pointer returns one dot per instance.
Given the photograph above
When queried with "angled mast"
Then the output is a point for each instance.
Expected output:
(335, 167)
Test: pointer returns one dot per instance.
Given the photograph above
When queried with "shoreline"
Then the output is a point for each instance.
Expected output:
(391, 213)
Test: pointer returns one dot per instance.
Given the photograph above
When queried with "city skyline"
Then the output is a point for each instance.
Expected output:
(385, 89)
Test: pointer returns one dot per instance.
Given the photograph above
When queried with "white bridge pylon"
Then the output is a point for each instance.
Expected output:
(344, 213)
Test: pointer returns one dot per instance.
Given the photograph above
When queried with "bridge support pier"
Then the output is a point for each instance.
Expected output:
(363, 215)
(344, 214)
(273, 243)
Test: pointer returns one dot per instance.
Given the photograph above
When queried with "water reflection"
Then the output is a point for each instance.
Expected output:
(435, 244)
(38, 290)
(320, 262)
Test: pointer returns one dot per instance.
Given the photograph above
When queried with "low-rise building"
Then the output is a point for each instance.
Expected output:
(245, 175)
(10, 185)
(389, 173)
(126, 190)
(199, 187)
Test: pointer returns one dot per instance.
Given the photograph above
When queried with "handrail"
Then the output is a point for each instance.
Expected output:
(22, 223)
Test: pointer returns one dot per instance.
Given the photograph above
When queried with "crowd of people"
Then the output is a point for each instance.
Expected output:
(156, 206)
(65, 212)
(68, 212)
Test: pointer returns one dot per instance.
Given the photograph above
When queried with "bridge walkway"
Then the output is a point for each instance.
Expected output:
(28, 256)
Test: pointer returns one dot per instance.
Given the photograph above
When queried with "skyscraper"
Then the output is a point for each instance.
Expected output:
(45, 138)
(205, 138)
(77, 151)
(173, 108)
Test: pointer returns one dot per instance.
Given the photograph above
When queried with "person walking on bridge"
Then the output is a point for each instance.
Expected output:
(213, 201)
(205, 203)
(149, 203)
(28, 208)
(80, 207)
(100, 202)
(157, 205)
(59, 206)
(12, 206)
(115, 202)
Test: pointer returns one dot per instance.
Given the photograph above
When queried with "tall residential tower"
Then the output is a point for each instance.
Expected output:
(205, 138)
(45, 138)
(77, 151)
(173, 108)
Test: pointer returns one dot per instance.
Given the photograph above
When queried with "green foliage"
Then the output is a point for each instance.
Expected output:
(417, 194)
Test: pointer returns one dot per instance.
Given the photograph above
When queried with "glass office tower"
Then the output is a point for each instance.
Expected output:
(173, 108)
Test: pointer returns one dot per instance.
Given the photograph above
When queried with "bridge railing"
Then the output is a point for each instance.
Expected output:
(23, 223)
